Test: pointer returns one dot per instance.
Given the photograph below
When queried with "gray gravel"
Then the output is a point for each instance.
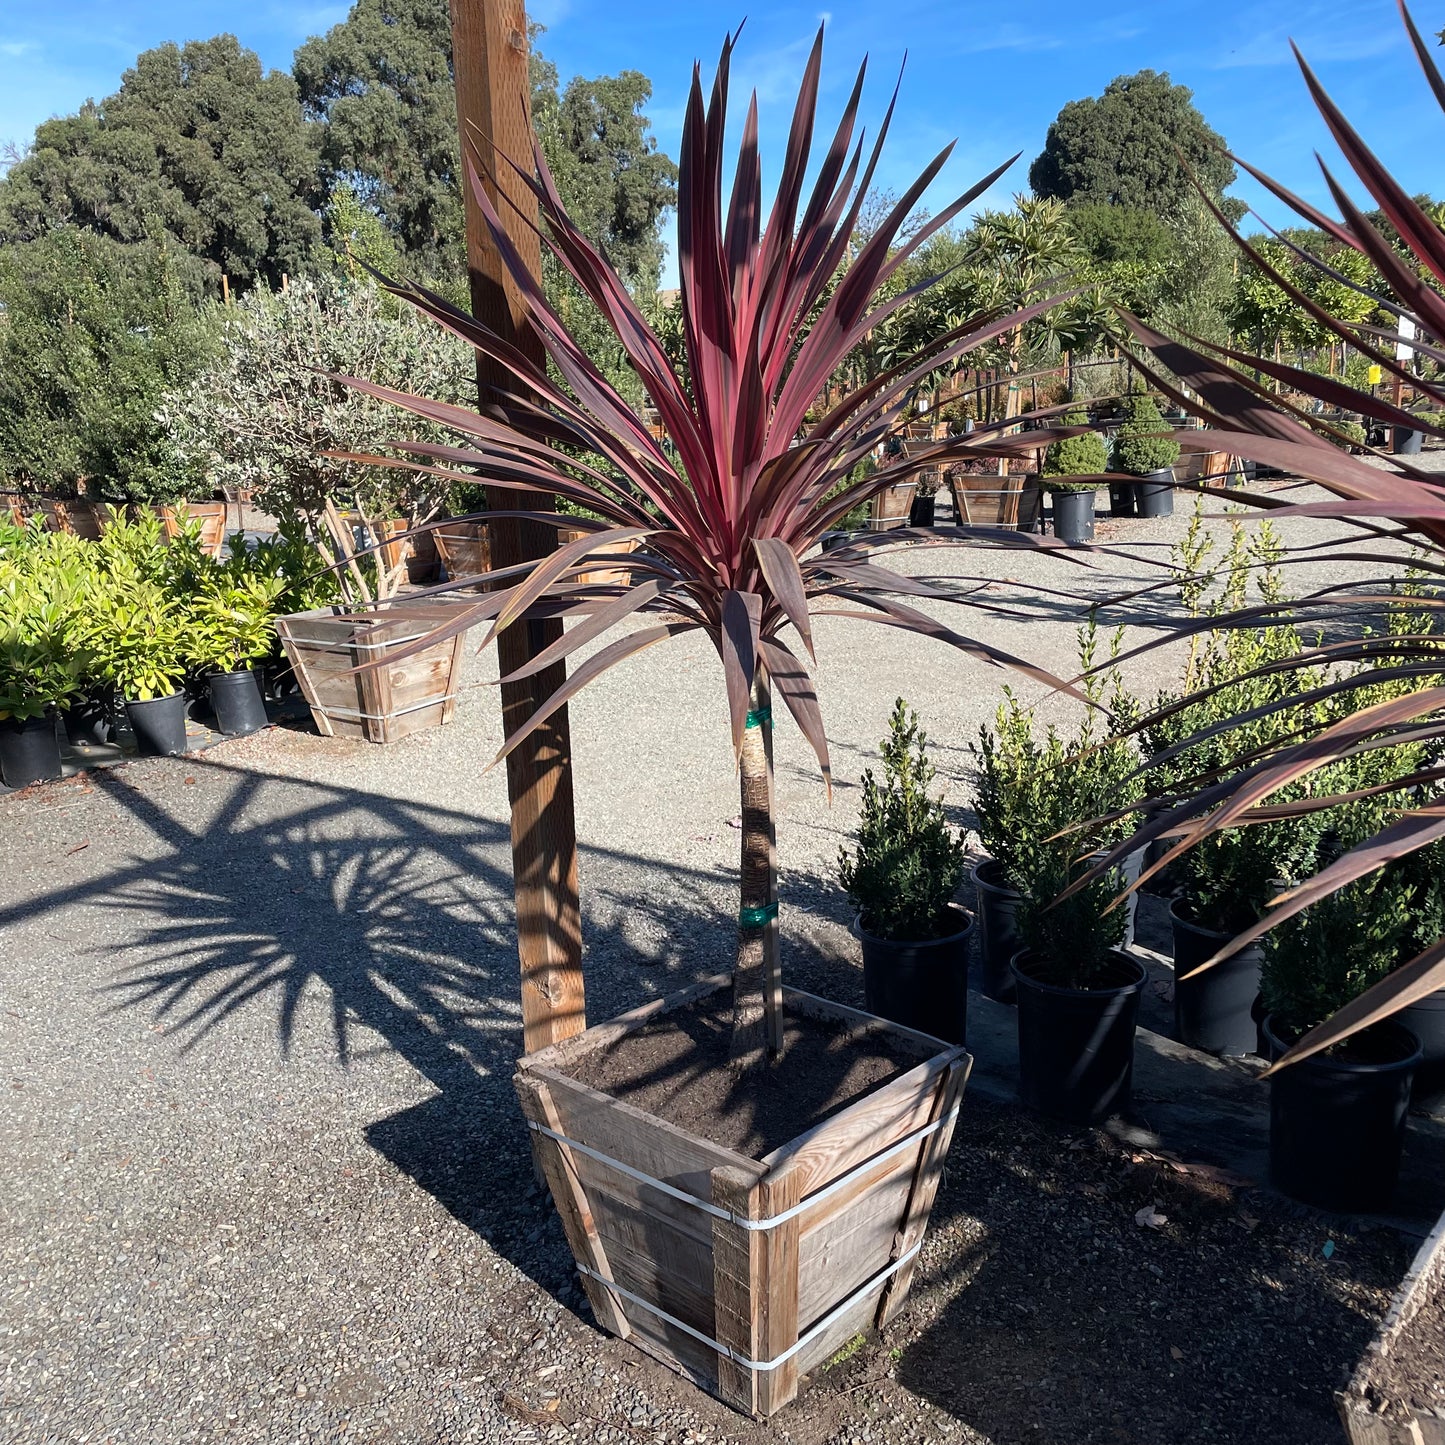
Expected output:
(262, 1174)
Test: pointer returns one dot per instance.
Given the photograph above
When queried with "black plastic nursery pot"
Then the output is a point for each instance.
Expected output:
(1406, 441)
(1213, 1010)
(1425, 1018)
(998, 930)
(922, 986)
(159, 725)
(1074, 516)
(29, 750)
(1155, 494)
(90, 721)
(923, 510)
(1123, 499)
(1336, 1124)
(236, 698)
(1076, 1046)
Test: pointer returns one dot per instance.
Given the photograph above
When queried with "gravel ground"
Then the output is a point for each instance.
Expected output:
(262, 1174)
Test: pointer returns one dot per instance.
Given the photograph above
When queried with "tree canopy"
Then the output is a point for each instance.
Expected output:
(380, 85)
(1122, 148)
(199, 139)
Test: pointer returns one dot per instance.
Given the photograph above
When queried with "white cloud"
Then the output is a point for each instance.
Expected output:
(16, 48)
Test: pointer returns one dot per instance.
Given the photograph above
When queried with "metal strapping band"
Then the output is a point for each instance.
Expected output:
(717, 1212)
(347, 712)
(335, 644)
(760, 1366)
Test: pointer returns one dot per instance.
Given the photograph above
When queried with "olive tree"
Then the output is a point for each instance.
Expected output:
(269, 415)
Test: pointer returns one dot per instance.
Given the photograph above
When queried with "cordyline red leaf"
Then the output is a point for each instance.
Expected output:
(746, 483)
(1252, 425)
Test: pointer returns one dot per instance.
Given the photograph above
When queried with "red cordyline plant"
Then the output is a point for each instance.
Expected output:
(756, 464)
(1400, 503)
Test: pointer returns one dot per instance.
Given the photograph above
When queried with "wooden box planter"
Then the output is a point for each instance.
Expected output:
(211, 516)
(1013, 500)
(605, 575)
(744, 1274)
(385, 703)
(1361, 1402)
(891, 506)
(78, 518)
(465, 548)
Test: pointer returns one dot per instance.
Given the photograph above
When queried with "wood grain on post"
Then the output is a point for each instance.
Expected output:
(489, 58)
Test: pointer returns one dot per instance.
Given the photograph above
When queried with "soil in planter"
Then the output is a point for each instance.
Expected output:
(1413, 1373)
(678, 1069)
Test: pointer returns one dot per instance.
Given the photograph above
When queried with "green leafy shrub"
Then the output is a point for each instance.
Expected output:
(1033, 799)
(1141, 445)
(1226, 880)
(139, 641)
(1085, 455)
(95, 335)
(1352, 431)
(230, 624)
(908, 861)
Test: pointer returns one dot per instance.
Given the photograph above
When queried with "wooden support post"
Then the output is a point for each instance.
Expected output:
(489, 61)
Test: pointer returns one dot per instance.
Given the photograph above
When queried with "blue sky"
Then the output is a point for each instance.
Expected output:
(992, 76)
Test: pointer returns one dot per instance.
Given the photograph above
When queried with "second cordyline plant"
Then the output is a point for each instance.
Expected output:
(755, 467)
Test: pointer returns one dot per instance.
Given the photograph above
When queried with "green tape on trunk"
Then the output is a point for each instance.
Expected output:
(757, 719)
(757, 917)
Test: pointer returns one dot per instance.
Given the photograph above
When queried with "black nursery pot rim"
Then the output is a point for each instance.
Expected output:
(859, 932)
(146, 701)
(1413, 1051)
(1179, 912)
(993, 883)
(1018, 967)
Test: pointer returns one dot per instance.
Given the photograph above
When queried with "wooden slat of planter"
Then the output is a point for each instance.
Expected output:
(865, 1128)
(863, 1024)
(926, 1180)
(649, 1144)
(755, 1282)
(465, 548)
(571, 1200)
(1363, 1425)
(844, 1248)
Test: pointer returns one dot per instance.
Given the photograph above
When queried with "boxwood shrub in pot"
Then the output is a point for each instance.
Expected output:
(1144, 448)
(901, 879)
(1337, 1118)
(1035, 802)
(1223, 885)
(1071, 470)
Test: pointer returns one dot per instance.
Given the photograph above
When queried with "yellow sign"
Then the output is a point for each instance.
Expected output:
(1375, 375)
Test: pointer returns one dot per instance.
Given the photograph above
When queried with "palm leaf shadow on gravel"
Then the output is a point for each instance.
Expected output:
(391, 921)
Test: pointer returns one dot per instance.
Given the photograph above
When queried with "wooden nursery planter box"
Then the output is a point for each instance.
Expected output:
(605, 575)
(465, 548)
(211, 516)
(1360, 1402)
(1014, 500)
(744, 1274)
(384, 703)
(892, 505)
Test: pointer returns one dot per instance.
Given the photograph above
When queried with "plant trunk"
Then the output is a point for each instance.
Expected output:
(757, 979)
